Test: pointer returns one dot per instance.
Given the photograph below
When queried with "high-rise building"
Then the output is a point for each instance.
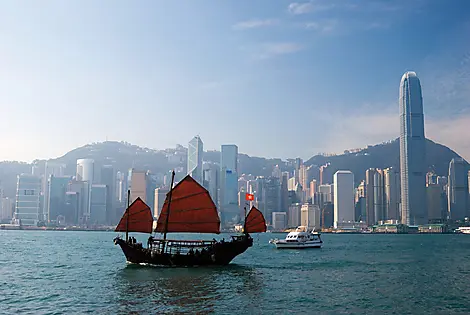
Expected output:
(379, 205)
(229, 182)
(98, 204)
(303, 177)
(28, 194)
(160, 196)
(271, 197)
(279, 221)
(360, 200)
(326, 193)
(370, 214)
(229, 157)
(392, 194)
(50, 168)
(313, 190)
(79, 200)
(85, 173)
(343, 198)
(195, 152)
(434, 195)
(72, 207)
(7, 208)
(85, 170)
(276, 171)
(284, 191)
(139, 186)
(58, 186)
(327, 215)
(291, 183)
(210, 181)
(310, 216)
(108, 178)
(457, 191)
(294, 214)
(412, 151)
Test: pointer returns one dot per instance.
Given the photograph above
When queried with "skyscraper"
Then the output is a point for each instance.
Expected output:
(195, 152)
(412, 151)
(108, 178)
(98, 204)
(229, 181)
(392, 194)
(379, 189)
(211, 180)
(85, 170)
(343, 198)
(139, 186)
(457, 189)
(58, 186)
(85, 173)
(28, 193)
(369, 195)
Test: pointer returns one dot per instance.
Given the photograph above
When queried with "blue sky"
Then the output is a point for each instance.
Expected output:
(277, 78)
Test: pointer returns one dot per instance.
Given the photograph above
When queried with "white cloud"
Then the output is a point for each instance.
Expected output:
(300, 8)
(325, 26)
(307, 7)
(281, 48)
(254, 23)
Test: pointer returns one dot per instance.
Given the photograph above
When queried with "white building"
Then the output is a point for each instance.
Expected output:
(160, 196)
(310, 216)
(195, 152)
(85, 170)
(85, 173)
(28, 194)
(343, 198)
(279, 220)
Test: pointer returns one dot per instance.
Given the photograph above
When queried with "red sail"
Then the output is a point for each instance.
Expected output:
(191, 210)
(140, 218)
(254, 222)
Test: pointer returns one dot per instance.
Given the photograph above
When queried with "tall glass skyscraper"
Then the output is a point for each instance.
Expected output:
(412, 151)
(457, 189)
(195, 151)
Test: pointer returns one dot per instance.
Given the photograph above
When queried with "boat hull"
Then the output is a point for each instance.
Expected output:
(300, 245)
(219, 254)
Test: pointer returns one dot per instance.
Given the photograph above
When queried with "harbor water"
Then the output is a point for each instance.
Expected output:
(52, 272)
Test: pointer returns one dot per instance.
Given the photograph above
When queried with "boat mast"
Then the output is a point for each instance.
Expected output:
(127, 210)
(244, 223)
(168, 211)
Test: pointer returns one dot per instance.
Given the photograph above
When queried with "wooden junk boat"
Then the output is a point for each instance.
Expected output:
(188, 208)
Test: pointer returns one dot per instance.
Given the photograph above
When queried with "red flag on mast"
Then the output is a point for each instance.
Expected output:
(249, 197)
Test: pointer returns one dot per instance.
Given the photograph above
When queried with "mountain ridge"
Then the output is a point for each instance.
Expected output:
(123, 155)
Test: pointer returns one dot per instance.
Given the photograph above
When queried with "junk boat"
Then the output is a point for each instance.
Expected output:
(188, 208)
(300, 238)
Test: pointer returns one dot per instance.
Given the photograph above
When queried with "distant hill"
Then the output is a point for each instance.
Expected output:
(123, 156)
(382, 156)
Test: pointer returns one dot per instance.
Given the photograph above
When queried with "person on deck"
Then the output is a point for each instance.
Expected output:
(150, 241)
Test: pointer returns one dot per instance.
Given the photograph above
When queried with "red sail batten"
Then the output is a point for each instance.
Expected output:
(254, 222)
(140, 218)
(192, 210)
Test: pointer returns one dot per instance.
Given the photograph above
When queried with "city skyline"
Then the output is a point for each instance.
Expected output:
(280, 62)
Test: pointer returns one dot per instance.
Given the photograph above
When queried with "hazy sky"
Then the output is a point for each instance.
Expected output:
(277, 78)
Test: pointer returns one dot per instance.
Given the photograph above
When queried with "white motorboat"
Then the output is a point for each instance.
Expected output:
(301, 238)
(463, 230)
